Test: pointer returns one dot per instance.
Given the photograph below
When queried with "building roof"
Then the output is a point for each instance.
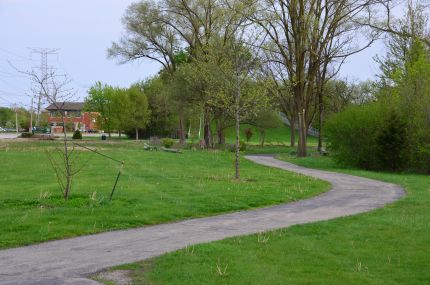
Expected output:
(66, 106)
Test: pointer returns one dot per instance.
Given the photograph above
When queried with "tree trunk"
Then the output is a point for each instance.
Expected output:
(293, 131)
(237, 117)
(207, 129)
(321, 121)
(67, 164)
(181, 129)
(137, 133)
(263, 136)
(301, 148)
(220, 133)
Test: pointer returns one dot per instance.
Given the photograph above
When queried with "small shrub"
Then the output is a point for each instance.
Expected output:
(248, 134)
(232, 147)
(26, 135)
(242, 146)
(77, 135)
(167, 142)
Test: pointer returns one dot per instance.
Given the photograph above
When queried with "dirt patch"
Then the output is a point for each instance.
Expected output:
(119, 277)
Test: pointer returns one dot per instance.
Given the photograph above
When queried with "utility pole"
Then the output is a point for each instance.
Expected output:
(15, 107)
(44, 52)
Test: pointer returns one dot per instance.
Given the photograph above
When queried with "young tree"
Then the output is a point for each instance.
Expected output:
(229, 70)
(54, 89)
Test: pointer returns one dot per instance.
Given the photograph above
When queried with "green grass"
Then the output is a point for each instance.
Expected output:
(155, 187)
(274, 136)
(386, 246)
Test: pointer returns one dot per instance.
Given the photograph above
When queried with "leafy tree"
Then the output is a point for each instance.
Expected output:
(6, 115)
(162, 120)
(101, 100)
(138, 112)
(121, 106)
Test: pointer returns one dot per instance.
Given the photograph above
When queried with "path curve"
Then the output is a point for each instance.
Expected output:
(69, 261)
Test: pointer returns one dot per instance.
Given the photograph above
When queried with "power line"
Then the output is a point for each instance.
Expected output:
(14, 54)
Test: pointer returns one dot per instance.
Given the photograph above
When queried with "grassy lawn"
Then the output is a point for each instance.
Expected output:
(274, 136)
(155, 187)
(385, 246)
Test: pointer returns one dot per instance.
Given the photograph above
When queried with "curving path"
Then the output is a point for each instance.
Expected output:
(69, 261)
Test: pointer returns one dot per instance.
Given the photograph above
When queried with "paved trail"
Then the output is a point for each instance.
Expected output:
(69, 261)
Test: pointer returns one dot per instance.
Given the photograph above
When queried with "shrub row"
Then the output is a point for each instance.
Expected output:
(377, 137)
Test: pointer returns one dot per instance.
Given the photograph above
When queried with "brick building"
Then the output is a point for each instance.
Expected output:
(75, 118)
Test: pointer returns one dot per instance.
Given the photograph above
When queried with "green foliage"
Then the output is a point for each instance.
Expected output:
(26, 135)
(167, 142)
(119, 108)
(7, 118)
(392, 143)
(394, 132)
(162, 119)
(352, 135)
(77, 135)
(101, 100)
(138, 111)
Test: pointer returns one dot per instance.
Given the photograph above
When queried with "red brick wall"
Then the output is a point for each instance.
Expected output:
(87, 118)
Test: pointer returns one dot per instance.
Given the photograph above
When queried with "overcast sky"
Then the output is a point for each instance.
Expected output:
(82, 30)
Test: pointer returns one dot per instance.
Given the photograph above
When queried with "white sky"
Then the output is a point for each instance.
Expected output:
(82, 30)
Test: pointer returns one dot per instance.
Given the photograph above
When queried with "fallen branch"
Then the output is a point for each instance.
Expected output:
(173, 150)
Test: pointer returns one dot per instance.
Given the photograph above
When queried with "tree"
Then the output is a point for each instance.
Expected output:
(228, 70)
(121, 106)
(138, 111)
(171, 32)
(162, 117)
(54, 89)
(307, 37)
(101, 100)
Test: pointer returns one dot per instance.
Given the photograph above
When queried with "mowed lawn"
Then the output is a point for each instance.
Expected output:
(386, 246)
(155, 187)
(273, 136)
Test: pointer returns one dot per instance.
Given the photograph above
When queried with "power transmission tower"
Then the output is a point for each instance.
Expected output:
(44, 52)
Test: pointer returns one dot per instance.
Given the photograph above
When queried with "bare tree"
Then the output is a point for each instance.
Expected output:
(54, 89)
(413, 24)
(306, 35)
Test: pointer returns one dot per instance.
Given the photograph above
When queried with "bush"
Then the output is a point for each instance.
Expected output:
(26, 135)
(242, 146)
(371, 136)
(351, 135)
(167, 142)
(392, 144)
(248, 134)
(77, 135)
